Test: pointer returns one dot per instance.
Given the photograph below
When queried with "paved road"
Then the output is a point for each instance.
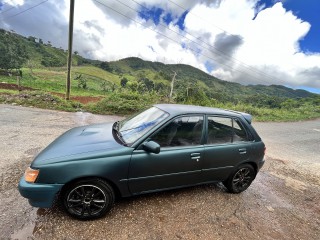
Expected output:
(297, 144)
(282, 203)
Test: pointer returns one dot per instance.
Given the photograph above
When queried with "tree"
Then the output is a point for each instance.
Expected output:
(105, 66)
(32, 39)
(146, 83)
(12, 54)
(30, 65)
(172, 85)
(82, 82)
(124, 82)
(103, 86)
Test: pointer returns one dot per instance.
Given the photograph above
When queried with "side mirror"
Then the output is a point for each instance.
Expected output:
(151, 146)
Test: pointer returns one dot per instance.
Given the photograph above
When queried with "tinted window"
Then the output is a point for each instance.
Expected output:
(239, 132)
(219, 130)
(182, 131)
(225, 130)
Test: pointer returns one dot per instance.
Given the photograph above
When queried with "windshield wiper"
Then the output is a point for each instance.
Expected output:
(118, 133)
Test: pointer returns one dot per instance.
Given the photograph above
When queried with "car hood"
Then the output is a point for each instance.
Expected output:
(79, 142)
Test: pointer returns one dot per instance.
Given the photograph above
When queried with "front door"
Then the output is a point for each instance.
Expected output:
(179, 160)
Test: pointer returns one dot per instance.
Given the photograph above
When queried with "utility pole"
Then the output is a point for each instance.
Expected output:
(172, 83)
(71, 16)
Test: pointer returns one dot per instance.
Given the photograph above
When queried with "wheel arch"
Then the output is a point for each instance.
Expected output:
(111, 183)
(253, 164)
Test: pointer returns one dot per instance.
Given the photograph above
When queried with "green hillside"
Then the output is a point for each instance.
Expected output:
(40, 54)
(213, 86)
(44, 55)
(131, 84)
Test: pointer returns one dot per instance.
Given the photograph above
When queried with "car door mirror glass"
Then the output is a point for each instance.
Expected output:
(151, 146)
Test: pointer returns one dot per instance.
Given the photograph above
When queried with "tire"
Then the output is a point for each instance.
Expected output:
(88, 199)
(240, 179)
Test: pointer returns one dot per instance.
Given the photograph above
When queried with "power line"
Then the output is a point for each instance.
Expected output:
(230, 58)
(217, 51)
(204, 20)
(2, 12)
(162, 34)
(26, 10)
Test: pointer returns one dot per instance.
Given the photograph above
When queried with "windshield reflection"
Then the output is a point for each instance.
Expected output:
(135, 127)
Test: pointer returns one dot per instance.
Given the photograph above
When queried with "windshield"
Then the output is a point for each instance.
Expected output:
(133, 128)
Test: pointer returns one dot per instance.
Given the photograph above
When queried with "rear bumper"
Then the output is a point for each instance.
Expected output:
(39, 195)
(261, 163)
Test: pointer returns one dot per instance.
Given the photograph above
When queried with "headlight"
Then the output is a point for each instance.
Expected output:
(31, 175)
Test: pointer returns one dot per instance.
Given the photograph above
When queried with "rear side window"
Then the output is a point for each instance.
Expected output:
(225, 130)
(239, 134)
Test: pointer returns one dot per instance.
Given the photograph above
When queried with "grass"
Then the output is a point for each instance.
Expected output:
(281, 115)
(122, 103)
(116, 100)
(7, 91)
(98, 73)
(54, 80)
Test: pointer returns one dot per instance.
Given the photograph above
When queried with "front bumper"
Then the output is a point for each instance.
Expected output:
(38, 194)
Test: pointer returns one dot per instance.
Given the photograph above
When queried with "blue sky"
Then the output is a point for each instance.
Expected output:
(250, 42)
(307, 10)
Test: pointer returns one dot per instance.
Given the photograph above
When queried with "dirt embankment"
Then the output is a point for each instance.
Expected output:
(80, 99)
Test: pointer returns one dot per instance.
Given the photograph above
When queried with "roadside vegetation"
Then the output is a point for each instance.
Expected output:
(37, 78)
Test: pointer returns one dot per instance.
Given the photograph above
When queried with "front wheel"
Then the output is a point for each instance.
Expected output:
(240, 179)
(88, 199)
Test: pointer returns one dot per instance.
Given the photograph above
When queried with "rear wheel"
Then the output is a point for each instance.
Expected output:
(240, 179)
(88, 199)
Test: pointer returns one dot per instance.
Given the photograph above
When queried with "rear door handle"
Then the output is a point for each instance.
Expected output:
(195, 156)
(242, 150)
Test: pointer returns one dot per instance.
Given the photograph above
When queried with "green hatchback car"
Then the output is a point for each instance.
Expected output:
(165, 147)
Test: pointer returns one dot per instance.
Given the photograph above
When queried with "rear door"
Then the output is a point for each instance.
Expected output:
(227, 145)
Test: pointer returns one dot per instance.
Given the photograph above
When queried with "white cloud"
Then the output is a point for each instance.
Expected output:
(269, 52)
(222, 74)
(247, 48)
(14, 2)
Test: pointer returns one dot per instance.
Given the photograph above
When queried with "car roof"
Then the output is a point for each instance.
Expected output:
(178, 109)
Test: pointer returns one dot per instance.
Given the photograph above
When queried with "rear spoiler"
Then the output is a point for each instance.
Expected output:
(246, 116)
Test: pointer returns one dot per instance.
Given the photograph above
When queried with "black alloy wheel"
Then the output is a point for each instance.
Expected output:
(88, 199)
(241, 179)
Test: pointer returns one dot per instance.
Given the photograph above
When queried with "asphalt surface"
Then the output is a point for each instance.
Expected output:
(282, 203)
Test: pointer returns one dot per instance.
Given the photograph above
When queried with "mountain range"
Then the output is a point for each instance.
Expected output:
(44, 55)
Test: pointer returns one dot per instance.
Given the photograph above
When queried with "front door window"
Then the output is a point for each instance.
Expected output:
(182, 131)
